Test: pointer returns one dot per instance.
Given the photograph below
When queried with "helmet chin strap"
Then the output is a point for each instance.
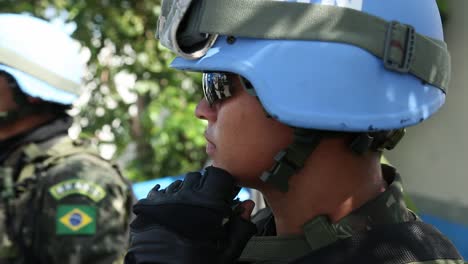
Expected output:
(291, 160)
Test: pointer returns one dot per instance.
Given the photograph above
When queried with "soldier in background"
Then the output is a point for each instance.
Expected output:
(60, 201)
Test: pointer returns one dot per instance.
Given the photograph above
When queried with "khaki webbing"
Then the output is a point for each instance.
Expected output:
(428, 59)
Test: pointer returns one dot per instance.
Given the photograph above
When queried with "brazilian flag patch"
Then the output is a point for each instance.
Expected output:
(76, 220)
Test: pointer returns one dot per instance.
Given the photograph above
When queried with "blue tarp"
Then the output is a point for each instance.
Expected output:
(141, 189)
(457, 233)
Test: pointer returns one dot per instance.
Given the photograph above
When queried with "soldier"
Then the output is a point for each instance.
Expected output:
(60, 201)
(300, 101)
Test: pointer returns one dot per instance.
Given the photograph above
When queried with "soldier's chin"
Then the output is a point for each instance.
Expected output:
(243, 179)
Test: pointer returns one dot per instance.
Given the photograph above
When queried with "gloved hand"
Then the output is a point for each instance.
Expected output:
(190, 222)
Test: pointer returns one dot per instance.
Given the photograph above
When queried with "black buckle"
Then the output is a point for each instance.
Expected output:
(279, 174)
(402, 66)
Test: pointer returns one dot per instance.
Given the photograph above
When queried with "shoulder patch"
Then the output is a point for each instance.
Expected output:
(75, 219)
(77, 186)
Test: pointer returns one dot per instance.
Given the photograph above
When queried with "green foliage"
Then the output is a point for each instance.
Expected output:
(152, 124)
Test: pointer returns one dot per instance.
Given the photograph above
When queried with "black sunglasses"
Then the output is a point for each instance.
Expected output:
(218, 86)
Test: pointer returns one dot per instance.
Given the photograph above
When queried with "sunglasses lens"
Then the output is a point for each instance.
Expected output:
(216, 86)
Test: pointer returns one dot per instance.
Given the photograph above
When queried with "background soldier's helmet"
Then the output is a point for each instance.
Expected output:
(331, 85)
(44, 60)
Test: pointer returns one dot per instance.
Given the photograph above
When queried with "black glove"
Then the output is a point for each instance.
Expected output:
(191, 221)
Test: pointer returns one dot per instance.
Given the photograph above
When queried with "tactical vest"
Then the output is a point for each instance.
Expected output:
(407, 242)
(21, 187)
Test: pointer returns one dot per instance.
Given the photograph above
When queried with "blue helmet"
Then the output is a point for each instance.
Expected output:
(44, 60)
(328, 85)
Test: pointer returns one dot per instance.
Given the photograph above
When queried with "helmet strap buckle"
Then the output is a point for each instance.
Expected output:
(292, 159)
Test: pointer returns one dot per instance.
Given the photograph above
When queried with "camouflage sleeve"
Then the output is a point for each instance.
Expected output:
(82, 213)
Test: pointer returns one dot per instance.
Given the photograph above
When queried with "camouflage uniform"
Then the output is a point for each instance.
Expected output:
(388, 208)
(61, 203)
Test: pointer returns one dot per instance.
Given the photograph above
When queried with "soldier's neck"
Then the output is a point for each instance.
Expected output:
(333, 182)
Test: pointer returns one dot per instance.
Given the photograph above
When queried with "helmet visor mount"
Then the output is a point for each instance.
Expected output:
(175, 30)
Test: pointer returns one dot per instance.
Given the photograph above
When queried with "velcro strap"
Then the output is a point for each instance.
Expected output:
(424, 57)
(11, 58)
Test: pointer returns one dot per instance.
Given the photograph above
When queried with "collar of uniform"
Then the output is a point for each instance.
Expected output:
(387, 208)
(36, 135)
